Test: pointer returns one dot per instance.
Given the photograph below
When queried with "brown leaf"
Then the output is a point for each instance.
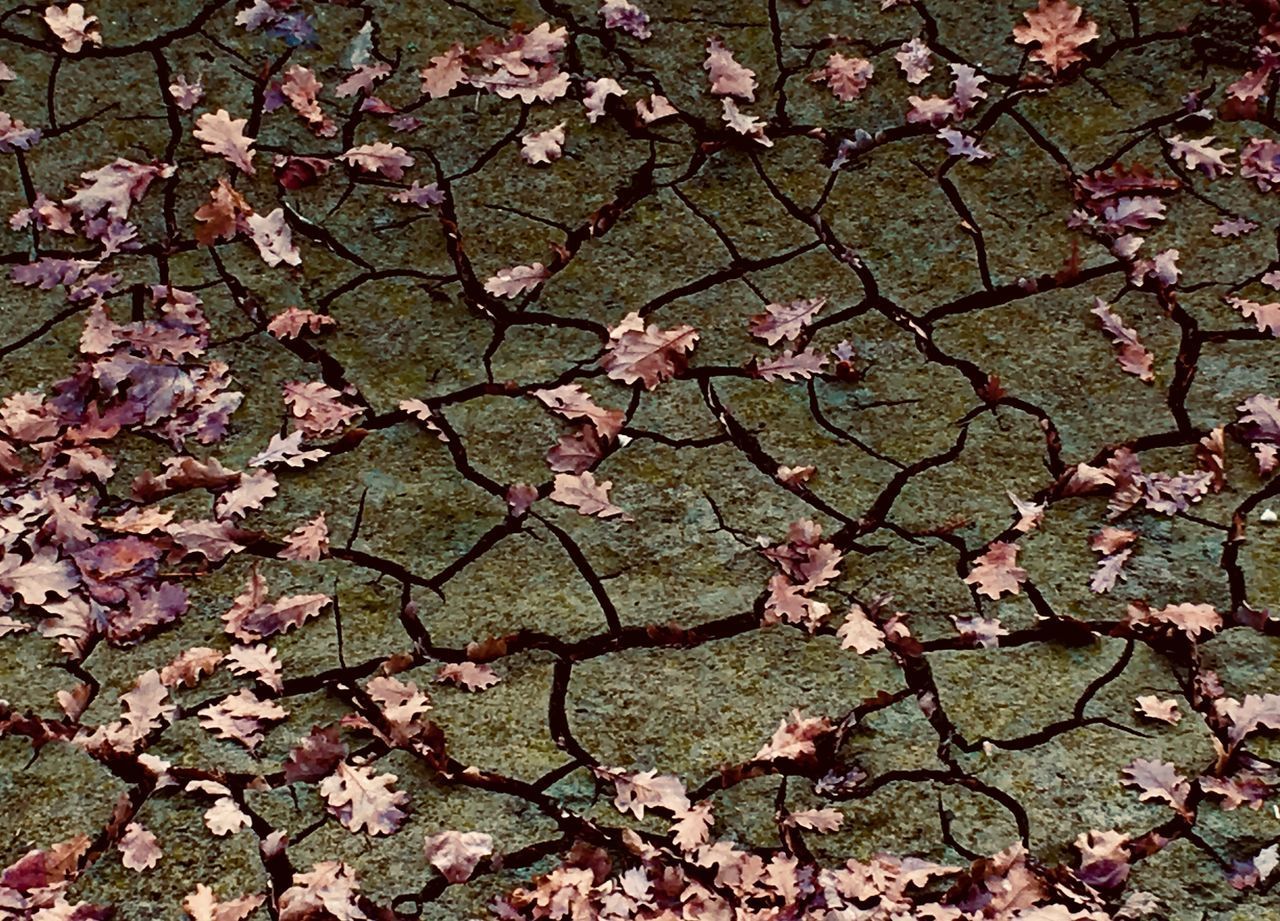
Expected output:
(223, 216)
(786, 321)
(139, 848)
(307, 542)
(251, 617)
(360, 799)
(1056, 27)
(455, 853)
(201, 905)
(1152, 707)
(581, 491)
(997, 572)
(221, 134)
(649, 354)
(576, 452)
(1158, 780)
(292, 322)
(728, 77)
(468, 675)
(315, 756)
(317, 407)
(1191, 619)
(572, 402)
(241, 717)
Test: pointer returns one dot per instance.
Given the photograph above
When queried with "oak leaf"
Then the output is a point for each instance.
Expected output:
(859, 632)
(845, 77)
(786, 321)
(317, 407)
(638, 791)
(1152, 707)
(576, 452)
(542, 146)
(791, 366)
(315, 756)
(380, 157)
(1197, 154)
(1158, 780)
(997, 572)
(1130, 352)
(796, 739)
(515, 280)
(637, 352)
(573, 402)
(361, 799)
(914, 57)
(597, 96)
(469, 675)
(251, 617)
(744, 123)
(1265, 316)
(115, 187)
(581, 491)
(139, 847)
(202, 905)
(190, 665)
(292, 322)
(330, 888)
(249, 494)
(185, 95)
(1056, 27)
(241, 717)
(455, 853)
(309, 541)
(221, 134)
(258, 660)
(287, 450)
(72, 27)
(445, 73)
(1191, 619)
(819, 820)
(728, 77)
(223, 216)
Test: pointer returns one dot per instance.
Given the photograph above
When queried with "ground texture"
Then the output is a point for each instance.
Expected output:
(708, 460)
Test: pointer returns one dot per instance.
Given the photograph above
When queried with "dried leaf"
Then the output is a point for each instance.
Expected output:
(728, 77)
(221, 134)
(997, 572)
(140, 849)
(456, 853)
(360, 799)
(581, 491)
(1056, 27)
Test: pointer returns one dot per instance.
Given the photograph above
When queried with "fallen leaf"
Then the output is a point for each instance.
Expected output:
(221, 134)
(997, 572)
(1055, 26)
(581, 491)
(361, 800)
(455, 853)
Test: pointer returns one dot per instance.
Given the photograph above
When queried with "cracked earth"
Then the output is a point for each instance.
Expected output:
(758, 460)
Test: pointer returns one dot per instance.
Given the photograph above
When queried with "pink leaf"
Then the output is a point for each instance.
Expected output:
(517, 279)
(140, 848)
(360, 799)
(581, 491)
(456, 853)
(380, 157)
(221, 134)
(997, 572)
(728, 77)
(637, 352)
